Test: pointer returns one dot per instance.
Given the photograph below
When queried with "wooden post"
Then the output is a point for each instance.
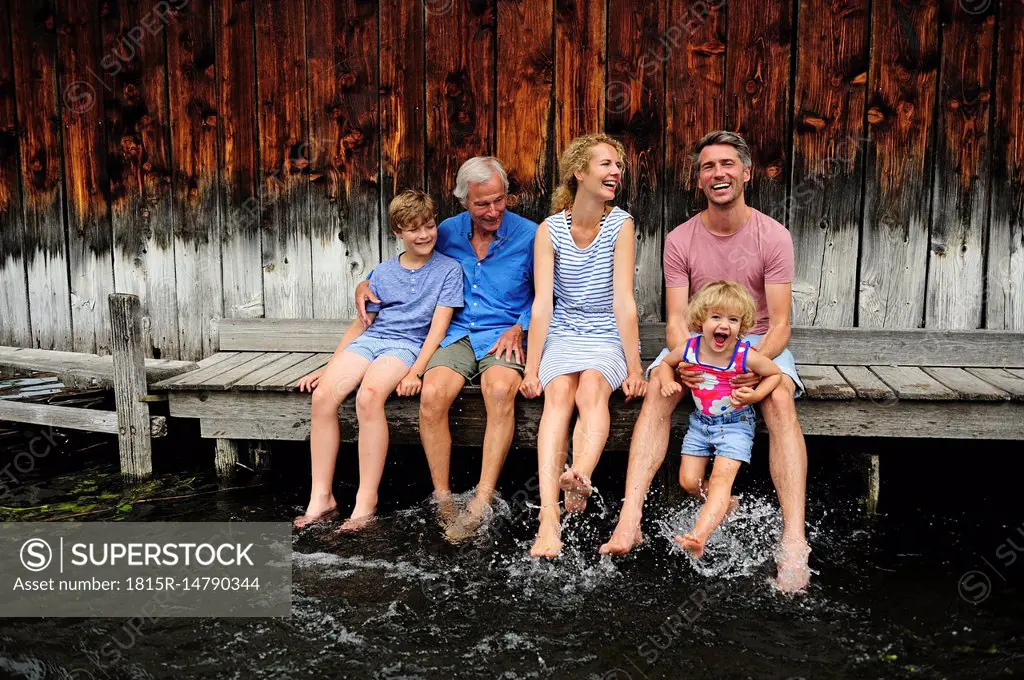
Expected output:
(133, 429)
(260, 455)
(227, 458)
(874, 485)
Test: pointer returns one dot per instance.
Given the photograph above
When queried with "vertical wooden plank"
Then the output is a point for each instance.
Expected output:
(284, 159)
(956, 257)
(241, 249)
(824, 208)
(90, 235)
(341, 49)
(695, 91)
(15, 327)
(139, 163)
(460, 92)
(402, 107)
(525, 78)
(1005, 291)
(901, 103)
(758, 102)
(133, 437)
(192, 86)
(34, 43)
(635, 106)
(580, 67)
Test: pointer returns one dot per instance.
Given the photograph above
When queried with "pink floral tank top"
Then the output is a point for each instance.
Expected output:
(712, 396)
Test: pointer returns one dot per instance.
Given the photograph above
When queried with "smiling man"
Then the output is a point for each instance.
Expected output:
(485, 337)
(727, 241)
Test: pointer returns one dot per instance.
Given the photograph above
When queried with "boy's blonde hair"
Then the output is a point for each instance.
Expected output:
(724, 296)
(576, 158)
(410, 208)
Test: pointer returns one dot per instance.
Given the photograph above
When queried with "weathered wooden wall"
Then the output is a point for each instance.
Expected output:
(234, 158)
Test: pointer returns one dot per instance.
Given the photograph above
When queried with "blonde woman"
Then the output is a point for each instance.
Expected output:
(584, 338)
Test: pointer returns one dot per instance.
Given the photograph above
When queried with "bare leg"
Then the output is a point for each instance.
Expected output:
(441, 386)
(719, 496)
(381, 380)
(500, 385)
(646, 454)
(588, 438)
(788, 463)
(339, 380)
(552, 445)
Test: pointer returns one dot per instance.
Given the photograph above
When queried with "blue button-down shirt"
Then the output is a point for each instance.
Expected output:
(498, 290)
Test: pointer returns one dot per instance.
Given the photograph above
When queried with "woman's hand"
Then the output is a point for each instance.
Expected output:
(364, 295)
(308, 383)
(689, 376)
(531, 387)
(410, 385)
(634, 386)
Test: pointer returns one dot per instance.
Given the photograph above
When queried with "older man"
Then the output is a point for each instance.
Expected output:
(730, 241)
(485, 338)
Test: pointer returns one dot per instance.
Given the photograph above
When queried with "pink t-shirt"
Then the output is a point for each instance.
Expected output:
(760, 252)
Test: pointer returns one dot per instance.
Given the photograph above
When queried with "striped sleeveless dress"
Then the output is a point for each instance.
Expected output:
(583, 334)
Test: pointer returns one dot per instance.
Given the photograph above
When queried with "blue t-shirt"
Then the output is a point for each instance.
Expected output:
(408, 297)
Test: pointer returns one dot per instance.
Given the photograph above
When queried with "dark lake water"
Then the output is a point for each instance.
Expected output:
(889, 598)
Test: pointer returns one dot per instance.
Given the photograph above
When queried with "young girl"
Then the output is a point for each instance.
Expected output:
(584, 339)
(418, 290)
(723, 419)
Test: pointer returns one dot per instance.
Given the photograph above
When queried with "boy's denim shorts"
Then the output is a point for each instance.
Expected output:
(374, 348)
(730, 435)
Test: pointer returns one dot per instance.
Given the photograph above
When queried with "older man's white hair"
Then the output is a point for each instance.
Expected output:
(477, 170)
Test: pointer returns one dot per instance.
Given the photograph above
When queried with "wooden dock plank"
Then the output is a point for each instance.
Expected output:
(280, 363)
(17, 327)
(635, 101)
(284, 159)
(824, 210)
(695, 101)
(525, 77)
(139, 165)
(1011, 381)
(90, 234)
(968, 386)
(1019, 372)
(825, 382)
(85, 369)
(223, 381)
(192, 93)
(865, 383)
(344, 195)
(960, 186)
(287, 378)
(910, 382)
(403, 142)
(901, 109)
(34, 47)
(70, 418)
(1004, 291)
(239, 165)
(460, 61)
(192, 378)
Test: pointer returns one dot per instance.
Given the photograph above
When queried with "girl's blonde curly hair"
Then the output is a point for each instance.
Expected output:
(576, 158)
(722, 296)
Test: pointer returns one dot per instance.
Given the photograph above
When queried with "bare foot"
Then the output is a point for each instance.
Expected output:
(623, 539)
(354, 523)
(794, 574)
(466, 524)
(446, 509)
(577, 488)
(548, 542)
(691, 544)
(317, 511)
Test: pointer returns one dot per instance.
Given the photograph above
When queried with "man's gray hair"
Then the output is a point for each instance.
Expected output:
(477, 170)
(732, 139)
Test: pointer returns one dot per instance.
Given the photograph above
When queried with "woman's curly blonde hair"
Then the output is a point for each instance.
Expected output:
(723, 296)
(576, 158)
